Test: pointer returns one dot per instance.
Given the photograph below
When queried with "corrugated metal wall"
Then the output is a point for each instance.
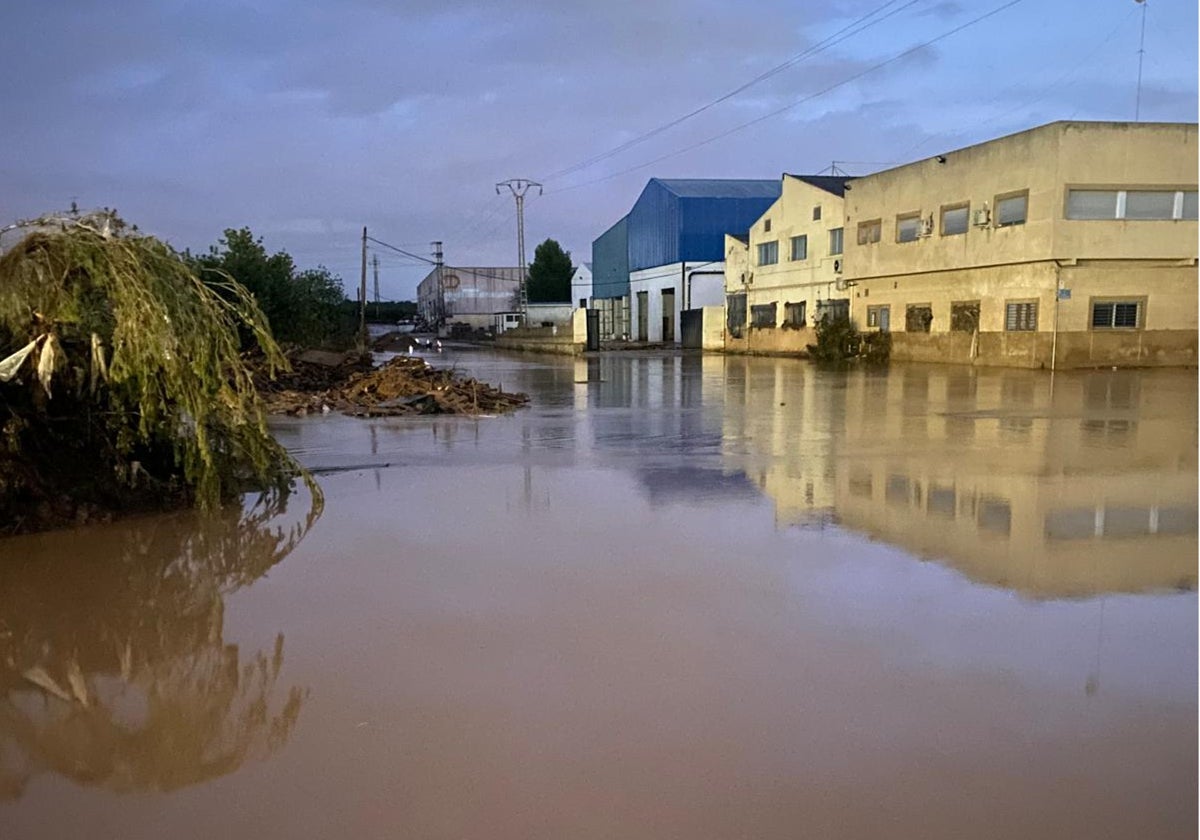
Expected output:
(654, 228)
(610, 262)
(705, 221)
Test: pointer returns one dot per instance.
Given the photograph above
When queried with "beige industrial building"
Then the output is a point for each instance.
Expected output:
(1069, 245)
(787, 271)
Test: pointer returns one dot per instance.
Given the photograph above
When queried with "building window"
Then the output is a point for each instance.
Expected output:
(1012, 209)
(762, 315)
(908, 227)
(583, 303)
(918, 317)
(795, 314)
(1020, 316)
(869, 232)
(1139, 205)
(1116, 314)
(768, 253)
(955, 219)
(835, 241)
(817, 213)
(766, 225)
(879, 317)
(800, 247)
(964, 316)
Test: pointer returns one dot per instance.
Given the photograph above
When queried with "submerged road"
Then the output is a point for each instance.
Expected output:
(678, 596)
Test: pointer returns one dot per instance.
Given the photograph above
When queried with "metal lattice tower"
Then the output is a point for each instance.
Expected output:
(518, 187)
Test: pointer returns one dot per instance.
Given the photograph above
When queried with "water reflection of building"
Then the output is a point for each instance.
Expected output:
(781, 424)
(114, 670)
(1061, 488)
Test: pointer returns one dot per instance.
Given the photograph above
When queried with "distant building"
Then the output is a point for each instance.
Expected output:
(581, 285)
(1069, 245)
(787, 271)
(666, 255)
(469, 296)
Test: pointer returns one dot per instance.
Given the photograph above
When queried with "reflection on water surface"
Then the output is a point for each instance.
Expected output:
(678, 596)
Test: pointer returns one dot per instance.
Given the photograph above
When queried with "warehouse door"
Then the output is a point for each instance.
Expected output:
(643, 315)
(668, 314)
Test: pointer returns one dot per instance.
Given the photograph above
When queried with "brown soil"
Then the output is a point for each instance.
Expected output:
(322, 382)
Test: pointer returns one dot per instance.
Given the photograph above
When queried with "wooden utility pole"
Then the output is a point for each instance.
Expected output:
(375, 265)
(362, 298)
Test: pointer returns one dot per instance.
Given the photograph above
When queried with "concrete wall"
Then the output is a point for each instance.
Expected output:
(1152, 262)
(714, 328)
(554, 313)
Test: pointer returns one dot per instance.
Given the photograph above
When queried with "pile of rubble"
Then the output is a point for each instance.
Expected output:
(321, 382)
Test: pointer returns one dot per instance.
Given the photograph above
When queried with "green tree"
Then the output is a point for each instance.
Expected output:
(550, 274)
(302, 307)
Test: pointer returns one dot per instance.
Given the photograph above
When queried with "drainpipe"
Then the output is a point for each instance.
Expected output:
(1054, 337)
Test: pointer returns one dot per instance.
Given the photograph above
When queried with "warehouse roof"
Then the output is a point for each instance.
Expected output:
(720, 187)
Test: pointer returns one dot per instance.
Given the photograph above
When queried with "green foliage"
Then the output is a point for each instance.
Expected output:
(839, 341)
(302, 307)
(141, 393)
(550, 274)
(384, 312)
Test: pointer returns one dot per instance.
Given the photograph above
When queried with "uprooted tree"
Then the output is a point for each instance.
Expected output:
(121, 379)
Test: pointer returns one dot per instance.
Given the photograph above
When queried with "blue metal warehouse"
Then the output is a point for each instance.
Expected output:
(677, 220)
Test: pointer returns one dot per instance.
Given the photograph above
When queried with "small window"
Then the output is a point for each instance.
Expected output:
(817, 213)
(879, 317)
(918, 317)
(1012, 210)
(766, 225)
(1116, 314)
(955, 219)
(583, 303)
(835, 241)
(1149, 204)
(869, 232)
(800, 247)
(1020, 316)
(908, 227)
(1091, 204)
(795, 314)
(762, 315)
(768, 253)
(1188, 206)
(964, 316)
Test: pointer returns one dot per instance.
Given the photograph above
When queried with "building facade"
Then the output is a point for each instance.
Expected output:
(471, 296)
(787, 271)
(1070, 245)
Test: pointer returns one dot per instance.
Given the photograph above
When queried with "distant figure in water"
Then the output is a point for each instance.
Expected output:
(439, 345)
(410, 349)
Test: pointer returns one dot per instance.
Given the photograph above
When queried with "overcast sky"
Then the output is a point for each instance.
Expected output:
(307, 121)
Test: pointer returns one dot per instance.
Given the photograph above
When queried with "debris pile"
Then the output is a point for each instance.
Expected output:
(404, 385)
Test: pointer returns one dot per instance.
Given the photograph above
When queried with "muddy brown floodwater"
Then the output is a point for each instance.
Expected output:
(679, 596)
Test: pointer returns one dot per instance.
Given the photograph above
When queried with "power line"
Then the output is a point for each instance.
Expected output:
(802, 100)
(819, 47)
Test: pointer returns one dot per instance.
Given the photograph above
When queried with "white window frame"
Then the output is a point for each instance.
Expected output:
(802, 239)
(1122, 198)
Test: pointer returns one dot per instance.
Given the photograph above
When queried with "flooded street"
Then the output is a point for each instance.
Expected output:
(679, 596)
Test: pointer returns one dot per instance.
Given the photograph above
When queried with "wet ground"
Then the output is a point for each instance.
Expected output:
(677, 597)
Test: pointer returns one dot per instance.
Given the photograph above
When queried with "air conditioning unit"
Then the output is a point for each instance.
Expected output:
(983, 217)
(837, 266)
(927, 226)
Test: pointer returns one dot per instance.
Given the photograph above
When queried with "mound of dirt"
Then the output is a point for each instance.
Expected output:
(404, 385)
